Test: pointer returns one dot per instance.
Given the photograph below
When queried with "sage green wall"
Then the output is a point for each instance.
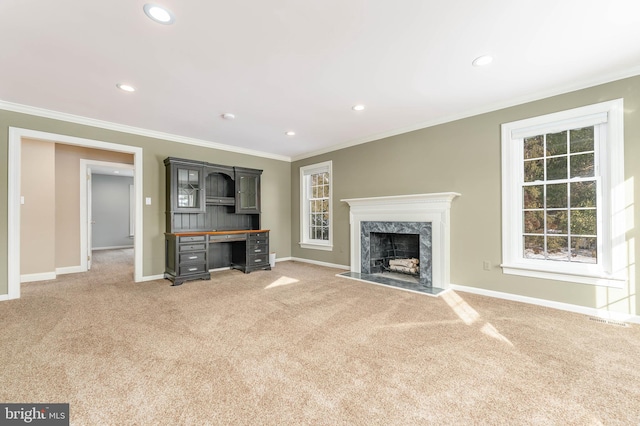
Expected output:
(276, 184)
(464, 156)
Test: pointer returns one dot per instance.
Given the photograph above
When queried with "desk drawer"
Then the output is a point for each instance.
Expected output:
(258, 236)
(195, 257)
(191, 247)
(257, 249)
(258, 259)
(192, 239)
(192, 269)
(227, 237)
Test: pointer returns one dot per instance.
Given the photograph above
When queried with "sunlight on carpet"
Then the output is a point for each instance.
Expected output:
(282, 281)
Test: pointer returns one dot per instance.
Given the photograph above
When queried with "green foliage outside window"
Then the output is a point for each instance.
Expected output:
(559, 196)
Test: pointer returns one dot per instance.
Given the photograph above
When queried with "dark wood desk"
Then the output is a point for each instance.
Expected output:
(191, 255)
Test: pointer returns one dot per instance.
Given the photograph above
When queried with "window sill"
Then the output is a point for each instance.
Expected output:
(590, 279)
(312, 246)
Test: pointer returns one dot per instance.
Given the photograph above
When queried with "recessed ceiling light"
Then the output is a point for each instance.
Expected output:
(159, 14)
(481, 61)
(358, 107)
(228, 116)
(290, 133)
(125, 87)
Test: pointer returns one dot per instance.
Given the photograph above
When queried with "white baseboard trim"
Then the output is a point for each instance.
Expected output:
(70, 270)
(5, 297)
(42, 276)
(600, 313)
(316, 262)
(112, 247)
(152, 278)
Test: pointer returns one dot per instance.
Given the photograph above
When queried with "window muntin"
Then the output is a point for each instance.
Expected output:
(560, 196)
(562, 193)
(315, 213)
(319, 206)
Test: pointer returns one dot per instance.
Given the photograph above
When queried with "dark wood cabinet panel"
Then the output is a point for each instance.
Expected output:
(253, 254)
(186, 258)
(209, 208)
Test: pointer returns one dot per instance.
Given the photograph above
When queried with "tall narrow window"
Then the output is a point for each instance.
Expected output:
(315, 212)
(562, 204)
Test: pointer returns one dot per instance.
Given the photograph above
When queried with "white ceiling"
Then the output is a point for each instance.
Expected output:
(284, 65)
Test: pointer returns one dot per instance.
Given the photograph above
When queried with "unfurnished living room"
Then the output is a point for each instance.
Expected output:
(320, 213)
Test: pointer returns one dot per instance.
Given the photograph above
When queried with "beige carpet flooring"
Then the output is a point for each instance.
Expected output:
(298, 345)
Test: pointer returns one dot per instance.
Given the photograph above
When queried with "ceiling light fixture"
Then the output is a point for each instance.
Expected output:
(125, 87)
(290, 133)
(481, 61)
(228, 116)
(159, 14)
(358, 107)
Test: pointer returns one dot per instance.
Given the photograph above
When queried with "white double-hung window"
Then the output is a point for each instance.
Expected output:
(563, 197)
(315, 212)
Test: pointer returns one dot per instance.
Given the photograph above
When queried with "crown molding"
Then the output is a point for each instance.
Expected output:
(559, 90)
(107, 125)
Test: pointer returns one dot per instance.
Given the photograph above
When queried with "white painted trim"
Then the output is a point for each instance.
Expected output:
(611, 269)
(70, 270)
(316, 262)
(325, 247)
(42, 276)
(13, 196)
(434, 208)
(112, 248)
(84, 208)
(305, 242)
(601, 313)
(151, 278)
(14, 167)
(41, 112)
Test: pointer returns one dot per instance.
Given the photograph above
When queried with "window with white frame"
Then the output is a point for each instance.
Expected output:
(315, 211)
(562, 196)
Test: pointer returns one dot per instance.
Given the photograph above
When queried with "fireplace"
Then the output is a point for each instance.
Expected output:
(383, 242)
(423, 218)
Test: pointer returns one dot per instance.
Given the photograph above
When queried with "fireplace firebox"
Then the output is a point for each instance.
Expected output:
(395, 253)
(384, 242)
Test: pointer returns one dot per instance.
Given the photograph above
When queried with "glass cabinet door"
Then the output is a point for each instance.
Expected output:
(248, 198)
(188, 188)
(247, 191)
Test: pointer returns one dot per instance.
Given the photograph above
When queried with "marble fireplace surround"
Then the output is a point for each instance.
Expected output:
(433, 208)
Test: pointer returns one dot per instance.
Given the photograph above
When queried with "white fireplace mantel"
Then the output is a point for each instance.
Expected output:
(432, 208)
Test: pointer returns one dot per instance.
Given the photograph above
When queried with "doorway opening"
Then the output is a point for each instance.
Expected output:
(16, 136)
